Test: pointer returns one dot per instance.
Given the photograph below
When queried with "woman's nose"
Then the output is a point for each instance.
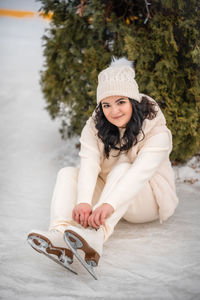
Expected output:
(115, 110)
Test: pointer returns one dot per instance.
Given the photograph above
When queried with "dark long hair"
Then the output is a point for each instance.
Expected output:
(109, 133)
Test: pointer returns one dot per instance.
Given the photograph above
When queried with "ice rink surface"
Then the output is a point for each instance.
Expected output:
(140, 261)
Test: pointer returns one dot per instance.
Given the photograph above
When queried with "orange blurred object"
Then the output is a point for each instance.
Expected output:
(24, 14)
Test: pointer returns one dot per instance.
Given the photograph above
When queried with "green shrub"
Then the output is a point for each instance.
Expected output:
(165, 49)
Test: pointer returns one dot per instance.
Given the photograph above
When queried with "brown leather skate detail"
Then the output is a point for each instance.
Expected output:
(71, 239)
(36, 242)
(50, 249)
(90, 253)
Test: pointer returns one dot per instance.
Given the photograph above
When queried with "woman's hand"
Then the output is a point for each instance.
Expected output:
(99, 215)
(81, 213)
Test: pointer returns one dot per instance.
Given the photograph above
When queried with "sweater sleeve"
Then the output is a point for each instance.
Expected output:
(89, 164)
(149, 158)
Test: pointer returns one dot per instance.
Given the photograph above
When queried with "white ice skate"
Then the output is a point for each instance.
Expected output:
(52, 244)
(90, 241)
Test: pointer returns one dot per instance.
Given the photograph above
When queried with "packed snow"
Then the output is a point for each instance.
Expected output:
(140, 261)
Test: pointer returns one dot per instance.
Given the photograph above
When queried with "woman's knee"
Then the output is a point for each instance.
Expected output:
(139, 218)
(68, 172)
(143, 208)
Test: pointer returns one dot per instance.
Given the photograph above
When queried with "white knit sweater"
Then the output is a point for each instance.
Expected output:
(146, 161)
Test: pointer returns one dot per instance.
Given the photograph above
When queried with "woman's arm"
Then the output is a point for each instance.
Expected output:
(155, 151)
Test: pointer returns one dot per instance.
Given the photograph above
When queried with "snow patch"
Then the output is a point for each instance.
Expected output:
(188, 172)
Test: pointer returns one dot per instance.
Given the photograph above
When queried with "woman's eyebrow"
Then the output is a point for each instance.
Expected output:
(120, 99)
(115, 101)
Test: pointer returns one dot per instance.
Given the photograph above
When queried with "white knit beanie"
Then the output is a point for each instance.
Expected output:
(118, 80)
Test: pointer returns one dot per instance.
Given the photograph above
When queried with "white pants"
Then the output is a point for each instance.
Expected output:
(139, 210)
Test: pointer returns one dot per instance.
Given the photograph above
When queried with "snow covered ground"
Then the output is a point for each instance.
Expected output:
(143, 261)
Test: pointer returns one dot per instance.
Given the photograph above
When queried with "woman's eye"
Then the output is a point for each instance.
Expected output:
(105, 106)
(122, 102)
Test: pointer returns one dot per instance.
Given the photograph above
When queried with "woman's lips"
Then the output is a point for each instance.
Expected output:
(117, 117)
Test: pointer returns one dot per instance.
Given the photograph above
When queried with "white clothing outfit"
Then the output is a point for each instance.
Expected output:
(128, 203)
(139, 184)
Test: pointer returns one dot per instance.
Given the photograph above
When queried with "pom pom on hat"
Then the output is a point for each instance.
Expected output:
(118, 80)
(120, 62)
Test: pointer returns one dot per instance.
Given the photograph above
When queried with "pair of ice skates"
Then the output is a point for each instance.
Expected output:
(61, 247)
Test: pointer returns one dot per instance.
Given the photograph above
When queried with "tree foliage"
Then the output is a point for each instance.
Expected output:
(164, 44)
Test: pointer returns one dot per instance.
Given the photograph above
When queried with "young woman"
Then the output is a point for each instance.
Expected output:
(124, 171)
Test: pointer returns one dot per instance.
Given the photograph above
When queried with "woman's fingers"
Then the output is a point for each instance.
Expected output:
(99, 215)
(96, 219)
(81, 213)
(85, 220)
(91, 220)
(102, 218)
(92, 223)
(82, 218)
(73, 214)
(77, 217)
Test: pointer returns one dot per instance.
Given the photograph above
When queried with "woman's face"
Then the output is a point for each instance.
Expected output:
(117, 110)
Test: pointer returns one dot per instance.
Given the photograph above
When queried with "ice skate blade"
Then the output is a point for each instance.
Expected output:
(73, 247)
(44, 245)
